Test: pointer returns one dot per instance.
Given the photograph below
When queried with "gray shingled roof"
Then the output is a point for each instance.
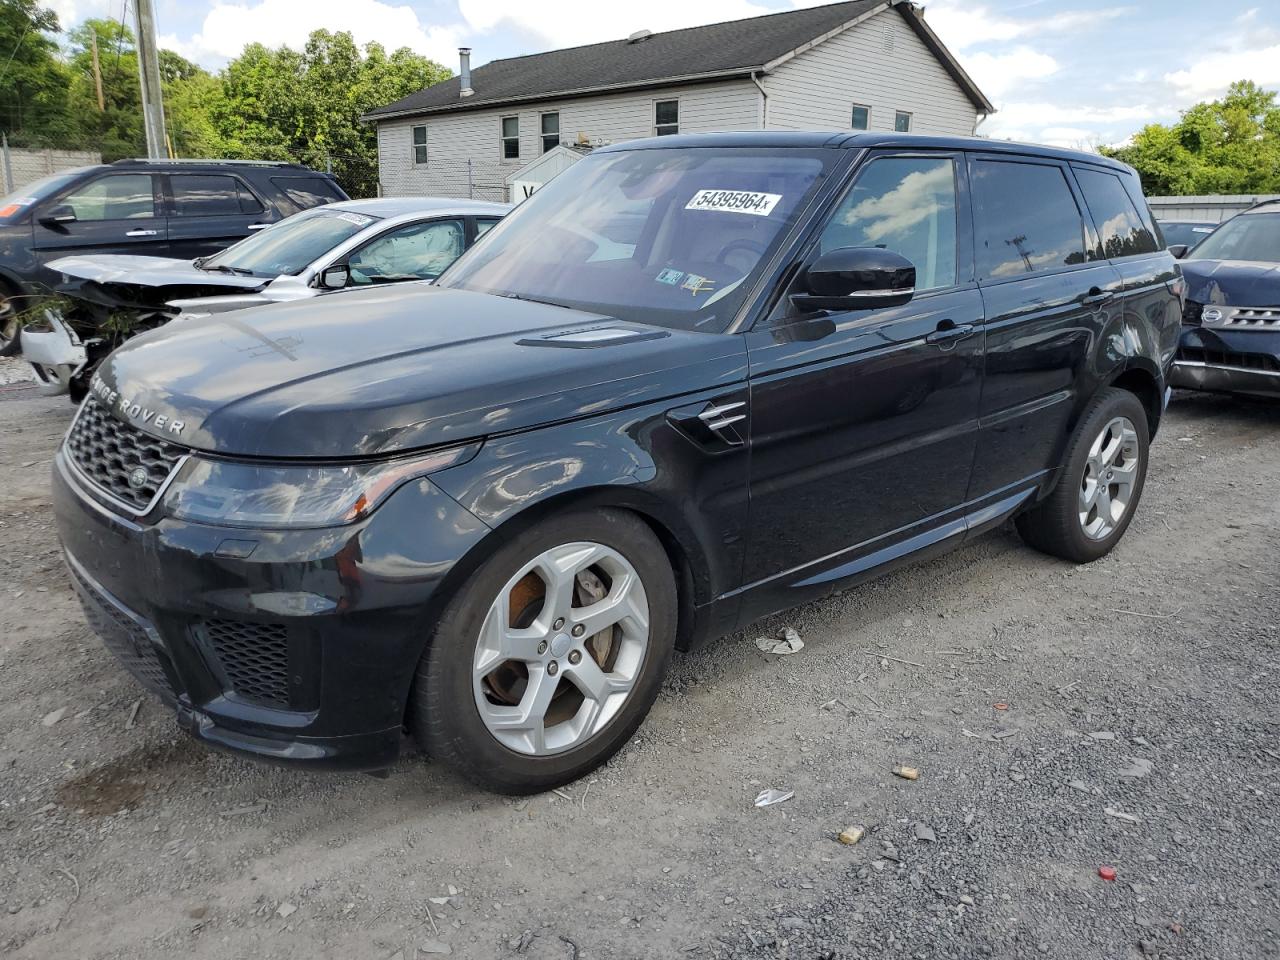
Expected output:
(696, 53)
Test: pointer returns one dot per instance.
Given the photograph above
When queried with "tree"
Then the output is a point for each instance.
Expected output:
(1229, 146)
(117, 130)
(34, 104)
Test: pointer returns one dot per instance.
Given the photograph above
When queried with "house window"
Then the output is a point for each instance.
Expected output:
(510, 138)
(419, 144)
(550, 131)
(861, 117)
(902, 122)
(666, 117)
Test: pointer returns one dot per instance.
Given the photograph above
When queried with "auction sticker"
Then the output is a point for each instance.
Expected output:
(734, 201)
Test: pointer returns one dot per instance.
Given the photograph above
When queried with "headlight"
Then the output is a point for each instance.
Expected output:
(231, 493)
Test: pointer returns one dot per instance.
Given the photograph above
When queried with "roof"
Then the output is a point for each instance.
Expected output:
(401, 206)
(735, 48)
(863, 141)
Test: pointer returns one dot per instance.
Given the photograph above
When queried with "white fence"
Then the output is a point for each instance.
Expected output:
(1214, 209)
(21, 166)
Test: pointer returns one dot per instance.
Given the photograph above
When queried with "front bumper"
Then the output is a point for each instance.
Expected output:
(1245, 361)
(292, 646)
(56, 355)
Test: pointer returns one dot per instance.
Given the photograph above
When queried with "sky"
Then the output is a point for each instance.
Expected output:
(1071, 72)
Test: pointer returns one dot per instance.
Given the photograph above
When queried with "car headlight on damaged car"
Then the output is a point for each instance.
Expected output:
(295, 495)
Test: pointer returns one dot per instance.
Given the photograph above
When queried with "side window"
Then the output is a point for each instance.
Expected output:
(510, 138)
(1025, 219)
(207, 195)
(907, 205)
(550, 131)
(420, 145)
(418, 251)
(861, 119)
(1119, 226)
(307, 192)
(128, 196)
(484, 226)
(666, 117)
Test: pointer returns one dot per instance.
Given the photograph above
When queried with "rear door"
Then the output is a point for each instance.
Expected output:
(208, 212)
(119, 213)
(1048, 296)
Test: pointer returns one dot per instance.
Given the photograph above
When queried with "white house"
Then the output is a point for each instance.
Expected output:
(860, 65)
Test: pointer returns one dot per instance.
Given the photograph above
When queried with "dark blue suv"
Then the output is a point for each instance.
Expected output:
(155, 208)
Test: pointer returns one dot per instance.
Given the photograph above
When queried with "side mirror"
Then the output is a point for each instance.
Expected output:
(1179, 250)
(62, 213)
(856, 278)
(334, 277)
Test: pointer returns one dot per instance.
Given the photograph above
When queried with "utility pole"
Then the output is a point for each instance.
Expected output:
(149, 77)
(97, 71)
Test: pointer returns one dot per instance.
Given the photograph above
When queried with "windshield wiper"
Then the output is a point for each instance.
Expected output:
(223, 268)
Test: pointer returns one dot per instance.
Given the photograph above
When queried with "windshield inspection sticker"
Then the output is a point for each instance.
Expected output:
(696, 284)
(357, 219)
(734, 201)
(670, 277)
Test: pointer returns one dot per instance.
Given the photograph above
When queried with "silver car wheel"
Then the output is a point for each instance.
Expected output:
(1110, 472)
(560, 649)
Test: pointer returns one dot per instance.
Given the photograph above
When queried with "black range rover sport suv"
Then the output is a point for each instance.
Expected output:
(691, 382)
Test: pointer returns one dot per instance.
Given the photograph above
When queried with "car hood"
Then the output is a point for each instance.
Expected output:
(149, 272)
(395, 369)
(1234, 283)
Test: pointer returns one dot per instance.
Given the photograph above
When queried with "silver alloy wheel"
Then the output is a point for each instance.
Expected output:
(8, 322)
(1110, 473)
(555, 661)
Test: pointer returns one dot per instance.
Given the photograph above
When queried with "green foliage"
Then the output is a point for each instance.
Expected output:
(1229, 146)
(266, 104)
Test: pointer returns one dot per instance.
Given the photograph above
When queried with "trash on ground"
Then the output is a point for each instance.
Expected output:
(906, 773)
(286, 910)
(1137, 768)
(51, 718)
(785, 642)
(924, 833)
(1120, 815)
(1107, 873)
(1102, 735)
(851, 835)
(1001, 706)
(435, 946)
(769, 797)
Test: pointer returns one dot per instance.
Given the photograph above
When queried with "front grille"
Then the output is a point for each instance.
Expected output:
(1192, 314)
(1227, 358)
(254, 657)
(130, 638)
(1256, 318)
(109, 452)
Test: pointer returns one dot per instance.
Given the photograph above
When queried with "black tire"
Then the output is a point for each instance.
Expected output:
(1053, 526)
(443, 715)
(10, 341)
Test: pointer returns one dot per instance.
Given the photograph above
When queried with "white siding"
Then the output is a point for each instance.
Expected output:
(881, 64)
(452, 139)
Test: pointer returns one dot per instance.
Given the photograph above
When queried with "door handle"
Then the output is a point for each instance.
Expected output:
(141, 233)
(1096, 295)
(949, 332)
(259, 226)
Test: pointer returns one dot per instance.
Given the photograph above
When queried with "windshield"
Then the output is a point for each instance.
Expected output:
(673, 237)
(289, 246)
(25, 196)
(1182, 232)
(1254, 236)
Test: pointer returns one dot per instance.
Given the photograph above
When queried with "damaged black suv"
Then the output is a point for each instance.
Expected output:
(156, 208)
(690, 382)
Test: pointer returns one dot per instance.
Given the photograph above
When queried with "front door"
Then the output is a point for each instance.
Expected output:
(114, 213)
(863, 423)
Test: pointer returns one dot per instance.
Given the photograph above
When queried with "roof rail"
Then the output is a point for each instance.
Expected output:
(128, 161)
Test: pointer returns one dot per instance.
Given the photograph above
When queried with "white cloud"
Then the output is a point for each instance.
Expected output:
(71, 12)
(568, 23)
(998, 74)
(1068, 125)
(1209, 74)
(229, 26)
(962, 25)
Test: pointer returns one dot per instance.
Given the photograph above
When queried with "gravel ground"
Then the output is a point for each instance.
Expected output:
(1062, 719)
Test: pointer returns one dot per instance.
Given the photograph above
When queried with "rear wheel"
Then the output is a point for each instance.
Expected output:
(10, 326)
(551, 655)
(1095, 499)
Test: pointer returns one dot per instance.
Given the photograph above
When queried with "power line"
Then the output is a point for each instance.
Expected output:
(25, 31)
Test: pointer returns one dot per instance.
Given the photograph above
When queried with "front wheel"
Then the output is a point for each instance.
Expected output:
(10, 325)
(1095, 498)
(550, 655)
